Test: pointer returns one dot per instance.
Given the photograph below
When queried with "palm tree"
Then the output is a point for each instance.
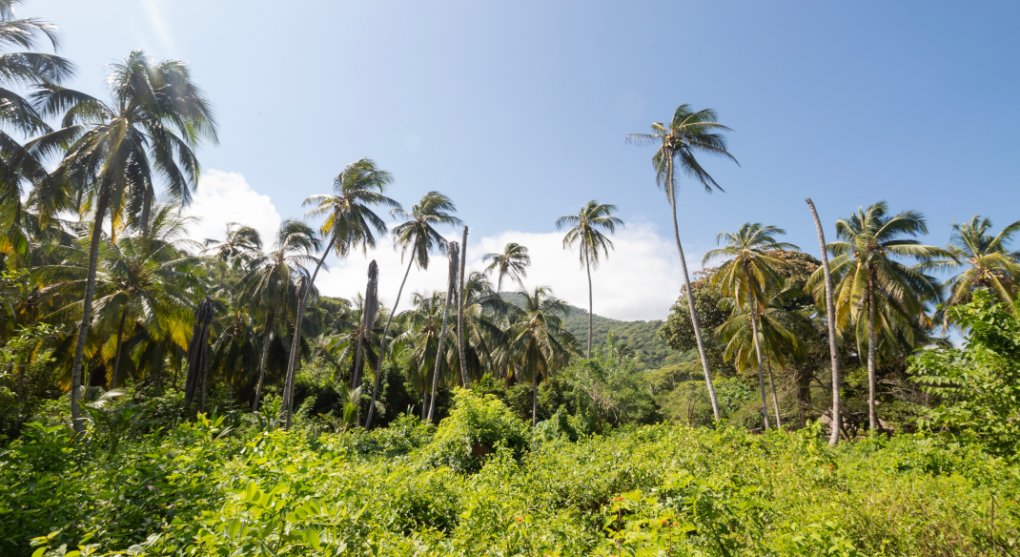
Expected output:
(590, 229)
(19, 70)
(749, 277)
(241, 245)
(113, 154)
(513, 262)
(876, 290)
(688, 134)
(830, 321)
(273, 283)
(538, 340)
(453, 252)
(350, 224)
(418, 233)
(987, 260)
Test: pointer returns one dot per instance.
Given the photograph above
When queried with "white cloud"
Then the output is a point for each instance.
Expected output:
(225, 197)
(639, 280)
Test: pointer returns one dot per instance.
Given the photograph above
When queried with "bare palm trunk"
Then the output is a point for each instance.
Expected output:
(690, 298)
(77, 422)
(761, 370)
(587, 266)
(368, 311)
(534, 399)
(263, 361)
(775, 397)
(382, 343)
(460, 312)
(116, 380)
(454, 255)
(295, 342)
(873, 424)
(830, 320)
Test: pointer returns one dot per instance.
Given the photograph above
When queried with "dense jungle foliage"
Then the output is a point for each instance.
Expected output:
(163, 394)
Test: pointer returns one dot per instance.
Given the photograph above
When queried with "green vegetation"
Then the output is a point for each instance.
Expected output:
(164, 395)
(482, 484)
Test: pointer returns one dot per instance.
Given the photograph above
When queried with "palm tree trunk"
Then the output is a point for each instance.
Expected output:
(587, 266)
(534, 398)
(830, 321)
(77, 422)
(460, 311)
(382, 343)
(454, 254)
(263, 360)
(690, 298)
(761, 371)
(872, 411)
(295, 343)
(775, 397)
(116, 380)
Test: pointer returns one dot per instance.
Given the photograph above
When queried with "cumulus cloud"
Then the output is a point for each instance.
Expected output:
(639, 280)
(226, 197)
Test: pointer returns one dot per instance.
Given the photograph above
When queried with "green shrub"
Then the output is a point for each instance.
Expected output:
(476, 427)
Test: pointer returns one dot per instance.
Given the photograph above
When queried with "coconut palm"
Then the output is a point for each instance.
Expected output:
(241, 245)
(985, 262)
(350, 224)
(750, 278)
(538, 341)
(272, 285)
(513, 262)
(689, 134)
(830, 322)
(21, 69)
(590, 229)
(876, 288)
(114, 153)
(418, 232)
(453, 252)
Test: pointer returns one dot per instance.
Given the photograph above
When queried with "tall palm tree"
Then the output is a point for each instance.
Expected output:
(350, 224)
(418, 232)
(20, 69)
(749, 277)
(241, 245)
(689, 134)
(590, 229)
(985, 260)
(539, 342)
(114, 153)
(513, 262)
(273, 283)
(453, 252)
(830, 322)
(876, 287)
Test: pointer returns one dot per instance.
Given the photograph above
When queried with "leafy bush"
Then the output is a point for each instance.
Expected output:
(977, 386)
(476, 427)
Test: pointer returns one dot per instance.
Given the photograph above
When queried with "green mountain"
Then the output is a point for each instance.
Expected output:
(640, 337)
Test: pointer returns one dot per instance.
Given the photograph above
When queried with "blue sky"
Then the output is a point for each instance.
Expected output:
(518, 111)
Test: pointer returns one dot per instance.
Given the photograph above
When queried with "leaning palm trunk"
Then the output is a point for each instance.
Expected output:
(761, 371)
(77, 421)
(690, 296)
(460, 312)
(116, 380)
(451, 287)
(295, 342)
(775, 397)
(377, 382)
(830, 320)
(263, 360)
(587, 266)
(873, 424)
